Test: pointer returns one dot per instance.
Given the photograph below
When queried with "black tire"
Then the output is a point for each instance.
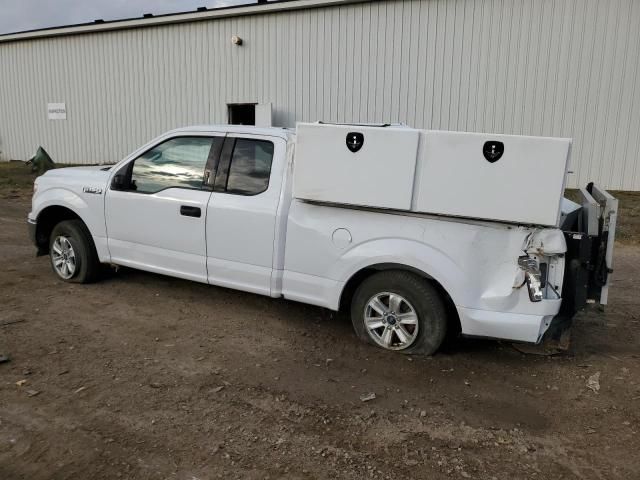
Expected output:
(419, 293)
(87, 266)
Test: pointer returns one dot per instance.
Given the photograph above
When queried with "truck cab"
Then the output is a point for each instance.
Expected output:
(186, 193)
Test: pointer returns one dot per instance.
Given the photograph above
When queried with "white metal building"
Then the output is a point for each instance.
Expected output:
(566, 68)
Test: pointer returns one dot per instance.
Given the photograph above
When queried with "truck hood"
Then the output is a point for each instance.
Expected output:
(74, 178)
(96, 172)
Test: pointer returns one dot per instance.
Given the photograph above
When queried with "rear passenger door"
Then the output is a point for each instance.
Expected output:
(241, 214)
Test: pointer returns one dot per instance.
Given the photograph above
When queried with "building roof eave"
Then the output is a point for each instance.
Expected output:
(172, 18)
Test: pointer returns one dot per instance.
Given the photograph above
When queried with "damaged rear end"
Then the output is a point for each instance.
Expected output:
(589, 230)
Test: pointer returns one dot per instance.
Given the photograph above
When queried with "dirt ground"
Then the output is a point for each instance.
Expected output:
(142, 376)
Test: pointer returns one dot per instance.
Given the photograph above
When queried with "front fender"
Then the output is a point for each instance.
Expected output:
(90, 212)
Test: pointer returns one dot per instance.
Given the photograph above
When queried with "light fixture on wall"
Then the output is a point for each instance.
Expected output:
(236, 40)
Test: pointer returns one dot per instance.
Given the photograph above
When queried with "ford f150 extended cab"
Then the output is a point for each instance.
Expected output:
(293, 214)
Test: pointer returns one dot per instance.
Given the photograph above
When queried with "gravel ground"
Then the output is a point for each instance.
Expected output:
(147, 377)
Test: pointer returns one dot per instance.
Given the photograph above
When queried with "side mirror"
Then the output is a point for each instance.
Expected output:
(118, 182)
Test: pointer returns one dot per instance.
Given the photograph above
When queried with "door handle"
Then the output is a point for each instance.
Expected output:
(188, 211)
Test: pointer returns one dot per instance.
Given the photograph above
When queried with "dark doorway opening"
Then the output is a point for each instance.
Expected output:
(242, 113)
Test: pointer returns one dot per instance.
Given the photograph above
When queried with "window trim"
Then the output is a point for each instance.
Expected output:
(212, 162)
(226, 159)
(220, 184)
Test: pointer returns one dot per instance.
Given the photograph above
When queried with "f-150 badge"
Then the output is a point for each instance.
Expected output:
(355, 140)
(95, 190)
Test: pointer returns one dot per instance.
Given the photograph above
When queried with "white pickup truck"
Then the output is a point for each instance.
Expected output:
(225, 205)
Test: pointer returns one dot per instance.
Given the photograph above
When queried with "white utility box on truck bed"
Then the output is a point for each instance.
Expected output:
(414, 232)
(380, 173)
(464, 174)
(506, 178)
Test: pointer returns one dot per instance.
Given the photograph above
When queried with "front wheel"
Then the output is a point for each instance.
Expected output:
(399, 311)
(73, 255)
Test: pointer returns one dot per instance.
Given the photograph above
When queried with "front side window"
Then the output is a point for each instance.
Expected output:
(176, 163)
(250, 167)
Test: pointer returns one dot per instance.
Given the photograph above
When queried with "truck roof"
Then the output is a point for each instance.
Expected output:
(285, 133)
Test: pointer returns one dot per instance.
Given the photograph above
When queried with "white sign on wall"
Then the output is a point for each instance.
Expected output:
(57, 111)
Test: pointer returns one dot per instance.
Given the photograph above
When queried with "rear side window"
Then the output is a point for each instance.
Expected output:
(250, 167)
(176, 163)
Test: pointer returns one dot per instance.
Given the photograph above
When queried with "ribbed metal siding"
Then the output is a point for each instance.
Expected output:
(538, 67)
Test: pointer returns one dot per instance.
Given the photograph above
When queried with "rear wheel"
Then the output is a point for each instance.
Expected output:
(72, 252)
(399, 311)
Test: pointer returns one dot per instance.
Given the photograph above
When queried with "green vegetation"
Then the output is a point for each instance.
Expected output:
(628, 230)
(16, 180)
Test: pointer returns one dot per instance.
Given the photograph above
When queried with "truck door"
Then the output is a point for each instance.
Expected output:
(242, 211)
(155, 209)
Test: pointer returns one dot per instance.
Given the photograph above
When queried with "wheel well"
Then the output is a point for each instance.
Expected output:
(352, 284)
(47, 219)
